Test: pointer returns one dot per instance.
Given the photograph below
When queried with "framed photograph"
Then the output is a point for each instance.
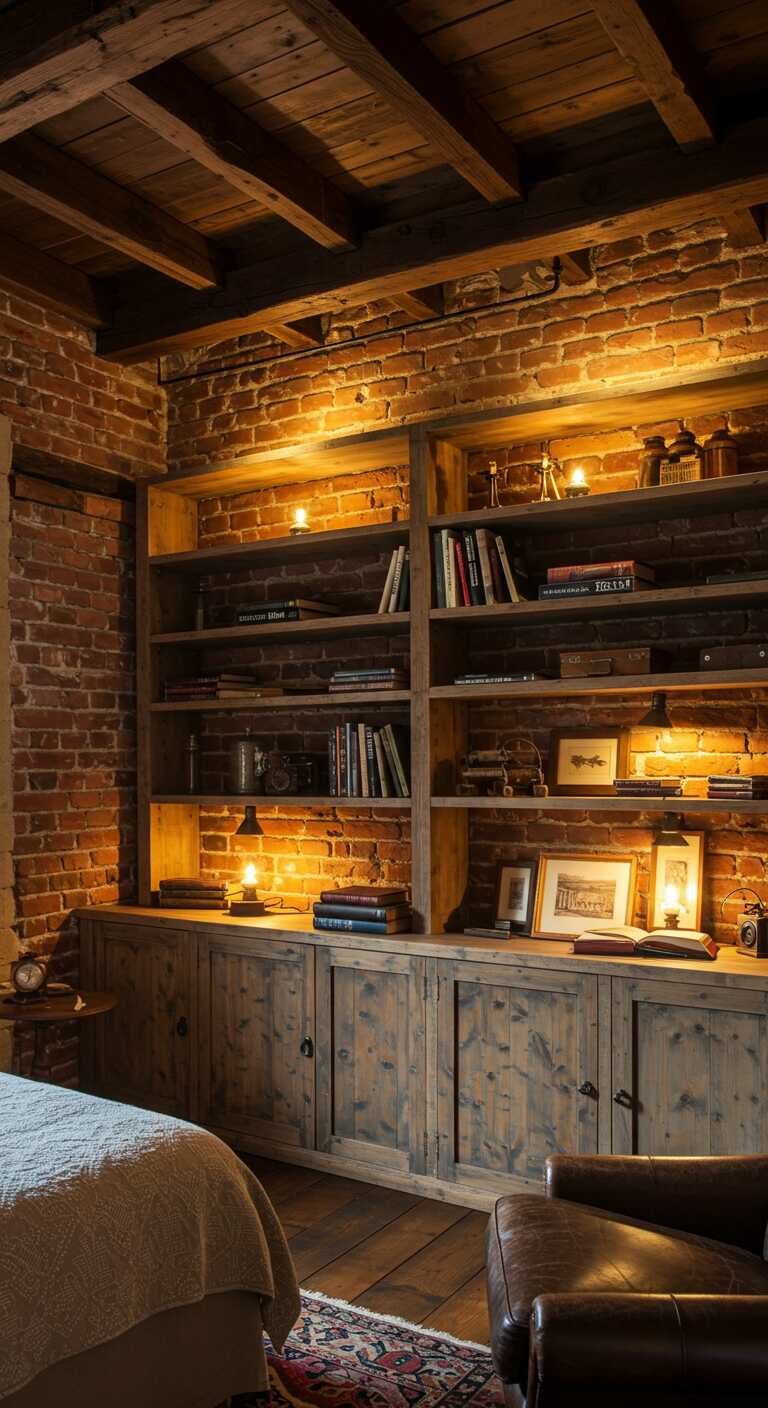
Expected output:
(677, 874)
(585, 762)
(574, 892)
(515, 888)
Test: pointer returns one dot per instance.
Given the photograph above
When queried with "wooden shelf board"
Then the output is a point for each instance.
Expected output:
(263, 801)
(285, 701)
(324, 627)
(589, 412)
(286, 551)
(672, 683)
(293, 464)
(681, 805)
(734, 491)
(716, 597)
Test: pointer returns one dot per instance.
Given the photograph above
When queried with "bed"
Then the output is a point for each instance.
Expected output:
(140, 1260)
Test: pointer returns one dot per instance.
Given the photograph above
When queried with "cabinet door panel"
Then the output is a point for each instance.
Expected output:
(514, 1046)
(142, 1048)
(694, 1062)
(255, 1013)
(371, 1097)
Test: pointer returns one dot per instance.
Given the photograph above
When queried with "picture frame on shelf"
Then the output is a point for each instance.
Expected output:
(585, 762)
(515, 890)
(576, 890)
(682, 868)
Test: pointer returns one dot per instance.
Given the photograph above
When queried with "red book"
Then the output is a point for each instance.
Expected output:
(371, 896)
(461, 569)
(621, 568)
(499, 584)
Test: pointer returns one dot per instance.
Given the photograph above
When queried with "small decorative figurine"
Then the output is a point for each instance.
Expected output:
(545, 468)
(492, 475)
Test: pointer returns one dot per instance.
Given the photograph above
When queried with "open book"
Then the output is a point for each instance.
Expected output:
(660, 943)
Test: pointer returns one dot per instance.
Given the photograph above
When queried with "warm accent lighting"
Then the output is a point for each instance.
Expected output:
(670, 832)
(577, 484)
(299, 524)
(249, 882)
(250, 905)
(657, 716)
(672, 906)
(249, 826)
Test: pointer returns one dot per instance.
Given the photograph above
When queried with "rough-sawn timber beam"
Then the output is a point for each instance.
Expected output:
(58, 286)
(585, 208)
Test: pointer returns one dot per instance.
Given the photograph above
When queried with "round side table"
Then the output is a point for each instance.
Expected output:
(53, 1007)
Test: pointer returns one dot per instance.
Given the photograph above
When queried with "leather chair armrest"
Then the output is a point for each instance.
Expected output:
(704, 1345)
(724, 1198)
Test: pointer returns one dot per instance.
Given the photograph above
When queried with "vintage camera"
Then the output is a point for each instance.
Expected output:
(290, 774)
(753, 931)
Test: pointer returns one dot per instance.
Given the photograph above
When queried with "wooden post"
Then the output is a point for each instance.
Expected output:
(8, 941)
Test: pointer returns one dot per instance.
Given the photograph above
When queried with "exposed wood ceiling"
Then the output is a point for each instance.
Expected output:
(174, 172)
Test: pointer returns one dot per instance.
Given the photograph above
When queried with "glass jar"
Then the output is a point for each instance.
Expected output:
(653, 453)
(721, 454)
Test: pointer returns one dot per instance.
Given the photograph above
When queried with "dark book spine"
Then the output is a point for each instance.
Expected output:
(343, 762)
(476, 595)
(377, 914)
(500, 590)
(463, 596)
(262, 618)
(359, 926)
(374, 784)
(437, 562)
(602, 586)
(404, 594)
(369, 901)
(332, 763)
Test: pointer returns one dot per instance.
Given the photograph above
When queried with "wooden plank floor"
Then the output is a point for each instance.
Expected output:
(391, 1252)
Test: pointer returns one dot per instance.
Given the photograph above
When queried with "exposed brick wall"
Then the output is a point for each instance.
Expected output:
(64, 400)
(73, 697)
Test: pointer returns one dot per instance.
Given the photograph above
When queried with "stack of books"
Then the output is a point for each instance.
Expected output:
(222, 685)
(363, 909)
(737, 789)
(648, 786)
(380, 677)
(368, 762)
(596, 579)
(396, 595)
(472, 568)
(295, 608)
(189, 892)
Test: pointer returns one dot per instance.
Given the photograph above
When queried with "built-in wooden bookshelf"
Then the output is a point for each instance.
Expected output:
(438, 711)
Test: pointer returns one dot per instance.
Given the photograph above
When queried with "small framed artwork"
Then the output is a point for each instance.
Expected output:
(677, 874)
(515, 888)
(585, 762)
(574, 892)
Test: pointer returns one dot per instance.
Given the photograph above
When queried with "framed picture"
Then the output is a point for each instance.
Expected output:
(585, 762)
(574, 892)
(677, 874)
(515, 887)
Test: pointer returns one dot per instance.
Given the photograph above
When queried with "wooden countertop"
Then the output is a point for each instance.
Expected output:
(730, 969)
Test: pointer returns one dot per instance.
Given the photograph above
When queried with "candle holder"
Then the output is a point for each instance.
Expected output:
(671, 919)
(300, 524)
(492, 475)
(577, 485)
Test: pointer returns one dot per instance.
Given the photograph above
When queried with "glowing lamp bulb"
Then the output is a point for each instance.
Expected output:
(577, 484)
(249, 878)
(300, 524)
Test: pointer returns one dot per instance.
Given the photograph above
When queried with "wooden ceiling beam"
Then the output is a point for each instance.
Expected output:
(644, 34)
(79, 53)
(421, 303)
(614, 201)
(384, 52)
(744, 228)
(575, 266)
(51, 180)
(300, 336)
(34, 274)
(184, 111)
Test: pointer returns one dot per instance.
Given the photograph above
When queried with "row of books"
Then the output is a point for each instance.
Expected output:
(382, 677)
(363, 909)
(221, 685)
(295, 608)
(190, 892)
(472, 568)
(596, 579)
(368, 762)
(727, 786)
(396, 595)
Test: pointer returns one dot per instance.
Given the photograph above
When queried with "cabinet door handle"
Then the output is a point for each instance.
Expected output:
(587, 1088)
(182, 1026)
(623, 1097)
(307, 1047)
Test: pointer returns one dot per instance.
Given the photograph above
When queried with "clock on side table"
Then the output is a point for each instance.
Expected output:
(31, 998)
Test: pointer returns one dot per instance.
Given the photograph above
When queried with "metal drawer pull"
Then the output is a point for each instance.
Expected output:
(623, 1097)
(307, 1047)
(587, 1088)
(182, 1027)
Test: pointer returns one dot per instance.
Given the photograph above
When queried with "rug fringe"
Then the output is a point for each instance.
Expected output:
(395, 1320)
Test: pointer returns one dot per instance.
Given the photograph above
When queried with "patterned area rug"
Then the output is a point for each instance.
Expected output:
(341, 1357)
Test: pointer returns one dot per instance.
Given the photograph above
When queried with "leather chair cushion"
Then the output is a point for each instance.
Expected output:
(538, 1246)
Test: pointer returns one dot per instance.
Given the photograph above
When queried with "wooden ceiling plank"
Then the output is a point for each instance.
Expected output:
(745, 228)
(70, 64)
(631, 196)
(300, 336)
(644, 35)
(576, 267)
(421, 303)
(32, 273)
(390, 56)
(182, 110)
(48, 179)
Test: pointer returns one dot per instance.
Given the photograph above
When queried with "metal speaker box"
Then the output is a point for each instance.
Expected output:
(640, 660)
(733, 657)
(752, 937)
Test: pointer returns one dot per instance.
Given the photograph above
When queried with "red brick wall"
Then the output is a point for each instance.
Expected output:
(63, 399)
(73, 697)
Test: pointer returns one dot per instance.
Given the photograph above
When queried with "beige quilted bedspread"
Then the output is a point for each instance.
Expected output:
(109, 1214)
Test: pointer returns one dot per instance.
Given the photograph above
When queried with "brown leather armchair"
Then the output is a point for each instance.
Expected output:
(635, 1282)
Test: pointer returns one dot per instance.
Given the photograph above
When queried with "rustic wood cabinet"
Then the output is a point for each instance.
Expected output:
(690, 1069)
(517, 1071)
(256, 1031)
(371, 1058)
(143, 1051)
(448, 1064)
